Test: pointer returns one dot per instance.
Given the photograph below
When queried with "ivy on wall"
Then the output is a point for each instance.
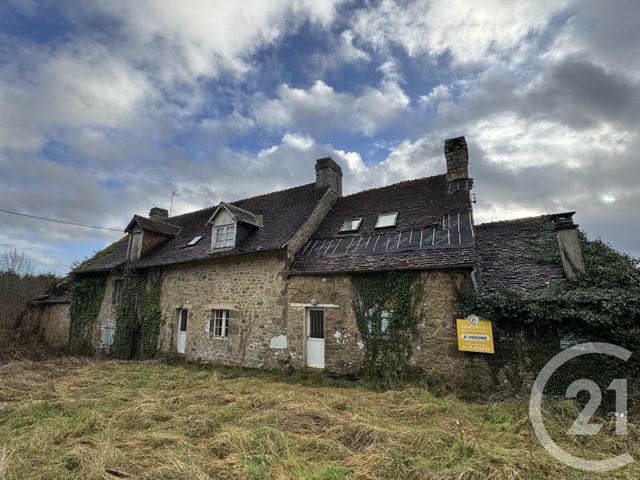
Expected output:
(603, 305)
(388, 307)
(87, 292)
(138, 317)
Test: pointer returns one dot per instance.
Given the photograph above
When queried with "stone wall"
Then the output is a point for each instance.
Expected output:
(55, 324)
(107, 314)
(252, 289)
(46, 322)
(435, 352)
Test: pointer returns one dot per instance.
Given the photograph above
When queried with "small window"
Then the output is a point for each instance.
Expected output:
(194, 240)
(351, 225)
(224, 236)
(387, 220)
(118, 291)
(135, 246)
(183, 316)
(107, 335)
(220, 323)
(378, 323)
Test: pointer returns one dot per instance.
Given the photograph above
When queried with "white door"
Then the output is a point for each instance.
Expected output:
(315, 339)
(181, 345)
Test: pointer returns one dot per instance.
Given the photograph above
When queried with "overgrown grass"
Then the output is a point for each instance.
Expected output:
(90, 419)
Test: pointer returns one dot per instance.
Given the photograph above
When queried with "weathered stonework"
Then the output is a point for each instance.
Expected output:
(435, 352)
(55, 325)
(251, 287)
(48, 322)
(107, 314)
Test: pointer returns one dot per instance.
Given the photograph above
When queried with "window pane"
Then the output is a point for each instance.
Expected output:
(221, 323)
(316, 324)
(351, 225)
(183, 315)
(387, 220)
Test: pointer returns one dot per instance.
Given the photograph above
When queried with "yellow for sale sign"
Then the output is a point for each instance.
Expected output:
(475, 335)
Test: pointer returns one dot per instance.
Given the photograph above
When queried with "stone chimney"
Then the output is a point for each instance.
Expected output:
(157, 213)
(329, 175)
(455, 151)
(570, 249)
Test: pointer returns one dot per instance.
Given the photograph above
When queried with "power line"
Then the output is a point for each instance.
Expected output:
(59, 221)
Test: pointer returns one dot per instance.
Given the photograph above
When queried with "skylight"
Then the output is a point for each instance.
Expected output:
(351, 225)
(194, 240)
(387, 220)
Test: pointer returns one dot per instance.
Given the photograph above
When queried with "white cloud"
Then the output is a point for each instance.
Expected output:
(320, 108)
(470, 31)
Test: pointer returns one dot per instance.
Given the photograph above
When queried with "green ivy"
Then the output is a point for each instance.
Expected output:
(400, 294)
(603, 305)
(87, 292)
(139, 317)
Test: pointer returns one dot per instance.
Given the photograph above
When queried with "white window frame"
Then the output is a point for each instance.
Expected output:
(383, 215)
(344, 228)
(219, 323)
(227, 236)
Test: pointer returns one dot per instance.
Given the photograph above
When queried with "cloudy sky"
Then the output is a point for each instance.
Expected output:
(106, 107)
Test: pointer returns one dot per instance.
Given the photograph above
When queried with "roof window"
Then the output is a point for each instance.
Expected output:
(194, 240)
(387, 220)
(351, 225)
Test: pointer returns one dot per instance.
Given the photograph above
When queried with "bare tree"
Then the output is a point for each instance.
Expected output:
(18, 285)
(16, 263)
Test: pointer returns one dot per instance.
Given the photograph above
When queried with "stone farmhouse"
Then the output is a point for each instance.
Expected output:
(267, 281)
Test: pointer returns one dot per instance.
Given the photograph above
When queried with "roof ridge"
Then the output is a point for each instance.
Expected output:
(157, 221)
(270, 193)
(213, 207)
(413, 180)
(518, 220)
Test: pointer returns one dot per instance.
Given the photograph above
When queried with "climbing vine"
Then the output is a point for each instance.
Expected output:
(87, 292)
(603, 305)
(388, 307)
(138, 317)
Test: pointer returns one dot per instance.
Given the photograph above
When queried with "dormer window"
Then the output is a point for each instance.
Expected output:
(351, 225)
(224, 236)
(145, 234)
(135, 245)
(387, 220)
(231, 225)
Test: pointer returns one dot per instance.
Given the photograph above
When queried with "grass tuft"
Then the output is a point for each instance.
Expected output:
(92, 419)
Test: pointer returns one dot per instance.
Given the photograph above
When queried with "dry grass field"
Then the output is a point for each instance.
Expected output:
(90, 419)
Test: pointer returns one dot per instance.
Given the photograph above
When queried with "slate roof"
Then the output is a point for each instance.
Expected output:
(282, 214)
(420, 203)
(505, 255)
(153, 225)
(241, 215)
(434, 229)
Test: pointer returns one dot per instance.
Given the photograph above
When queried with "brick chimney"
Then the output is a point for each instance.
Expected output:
(157, 213)
(455, 151)
(570, 249)
(329, 175)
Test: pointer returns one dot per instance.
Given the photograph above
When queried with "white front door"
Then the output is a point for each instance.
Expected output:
(315, 338)
(181, 345)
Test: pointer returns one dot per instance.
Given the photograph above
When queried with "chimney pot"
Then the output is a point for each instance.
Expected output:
(157, 213)
(457, 156)
(329, 175)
